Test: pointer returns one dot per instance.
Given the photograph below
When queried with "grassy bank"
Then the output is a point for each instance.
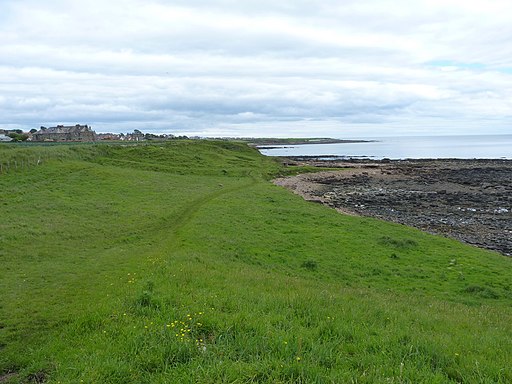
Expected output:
(181, 263)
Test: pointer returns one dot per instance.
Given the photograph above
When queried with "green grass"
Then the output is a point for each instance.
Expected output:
(181, 263)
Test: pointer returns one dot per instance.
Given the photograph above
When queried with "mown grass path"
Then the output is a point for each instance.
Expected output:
(192, 208)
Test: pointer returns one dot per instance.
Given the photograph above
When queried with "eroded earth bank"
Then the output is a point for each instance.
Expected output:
(469, 200)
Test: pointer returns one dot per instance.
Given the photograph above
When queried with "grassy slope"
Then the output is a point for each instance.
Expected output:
(180, 263)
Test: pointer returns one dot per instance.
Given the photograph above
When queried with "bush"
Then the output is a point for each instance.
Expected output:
(18, 136)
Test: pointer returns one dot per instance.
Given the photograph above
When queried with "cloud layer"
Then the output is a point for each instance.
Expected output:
(258, 68)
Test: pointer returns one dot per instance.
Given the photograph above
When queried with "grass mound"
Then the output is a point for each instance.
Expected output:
(181, 263)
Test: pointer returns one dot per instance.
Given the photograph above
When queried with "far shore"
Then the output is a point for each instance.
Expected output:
(271, 143)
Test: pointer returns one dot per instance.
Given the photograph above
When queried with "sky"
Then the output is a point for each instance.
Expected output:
(301, 68)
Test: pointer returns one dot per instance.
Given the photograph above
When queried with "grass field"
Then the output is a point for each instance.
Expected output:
(181, 263)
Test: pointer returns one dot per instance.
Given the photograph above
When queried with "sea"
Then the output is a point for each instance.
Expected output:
(406, 147)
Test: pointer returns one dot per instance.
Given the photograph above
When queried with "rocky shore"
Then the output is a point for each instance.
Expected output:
(468, 200)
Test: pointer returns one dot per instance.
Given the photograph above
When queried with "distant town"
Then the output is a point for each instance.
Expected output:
(85, 134)
(78, 133)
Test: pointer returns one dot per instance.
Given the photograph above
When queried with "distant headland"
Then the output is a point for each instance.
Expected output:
(269, 143)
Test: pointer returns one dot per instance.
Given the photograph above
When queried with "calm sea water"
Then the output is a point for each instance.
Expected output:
(408, 147)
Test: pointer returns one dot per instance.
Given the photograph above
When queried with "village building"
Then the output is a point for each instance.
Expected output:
(77, 132)
(109, 136)
(135, 136)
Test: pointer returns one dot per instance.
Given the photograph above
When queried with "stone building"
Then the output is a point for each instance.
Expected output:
(65, 133)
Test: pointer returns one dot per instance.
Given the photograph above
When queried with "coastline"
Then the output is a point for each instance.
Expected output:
(406, 147)
(273, 143)
(468, 200)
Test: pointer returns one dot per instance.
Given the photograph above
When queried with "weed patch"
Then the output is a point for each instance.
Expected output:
(484, 292)
(398, 243)
(310, 265)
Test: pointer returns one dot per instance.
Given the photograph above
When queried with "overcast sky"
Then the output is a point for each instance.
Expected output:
(345, 68)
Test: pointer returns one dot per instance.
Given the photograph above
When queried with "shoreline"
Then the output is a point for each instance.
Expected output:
(468, 200)
(273, 143)
(408, 147)
(323, 160)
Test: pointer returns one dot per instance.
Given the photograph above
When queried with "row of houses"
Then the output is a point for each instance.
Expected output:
(76, 133)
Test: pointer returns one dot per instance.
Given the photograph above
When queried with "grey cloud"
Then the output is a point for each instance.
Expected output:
(226, 66)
